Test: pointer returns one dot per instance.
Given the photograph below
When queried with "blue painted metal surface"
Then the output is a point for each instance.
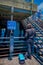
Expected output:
(11, 46)
(11, 25)
(3, 32)
(28, 0)
(21, 10)
(38, 40)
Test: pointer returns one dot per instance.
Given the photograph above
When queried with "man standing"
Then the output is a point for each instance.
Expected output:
(30, 34)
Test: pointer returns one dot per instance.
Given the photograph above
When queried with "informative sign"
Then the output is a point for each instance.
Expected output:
(11, 25)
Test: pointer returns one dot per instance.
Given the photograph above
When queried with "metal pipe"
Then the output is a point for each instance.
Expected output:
(12, 10)
(14, 37)
(20, 37)
(14, 41)
(4, 42)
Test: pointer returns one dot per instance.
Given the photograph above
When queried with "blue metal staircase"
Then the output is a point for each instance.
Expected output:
(38, 40)
(20, 46)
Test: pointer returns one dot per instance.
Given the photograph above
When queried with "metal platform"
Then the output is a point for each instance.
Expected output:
(22, 9)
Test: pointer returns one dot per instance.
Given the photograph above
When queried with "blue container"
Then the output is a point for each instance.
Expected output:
(21, 58)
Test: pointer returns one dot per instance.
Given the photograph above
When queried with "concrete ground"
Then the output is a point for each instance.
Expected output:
(15, 61)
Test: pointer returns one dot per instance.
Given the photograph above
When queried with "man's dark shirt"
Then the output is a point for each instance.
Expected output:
(30, 33)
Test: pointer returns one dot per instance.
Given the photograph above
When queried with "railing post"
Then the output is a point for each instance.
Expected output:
(11, 45)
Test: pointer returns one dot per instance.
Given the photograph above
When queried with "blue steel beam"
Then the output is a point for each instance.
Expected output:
(21, 10)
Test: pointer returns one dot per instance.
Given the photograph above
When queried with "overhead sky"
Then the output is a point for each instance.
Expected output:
(38, 2)
(35, 1)
(40, 5)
